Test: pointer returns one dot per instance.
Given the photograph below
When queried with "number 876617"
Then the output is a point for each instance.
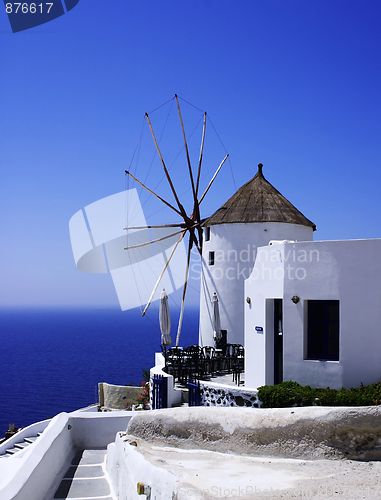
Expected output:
(24, 8)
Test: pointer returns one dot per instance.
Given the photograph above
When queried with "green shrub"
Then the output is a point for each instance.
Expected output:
(325, 397)
(290, 394)
(285, 395)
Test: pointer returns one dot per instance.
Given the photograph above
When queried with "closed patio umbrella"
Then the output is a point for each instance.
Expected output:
(165, 320)
(216, 318)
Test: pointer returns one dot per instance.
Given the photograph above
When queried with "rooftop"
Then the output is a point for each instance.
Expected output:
(258, 201)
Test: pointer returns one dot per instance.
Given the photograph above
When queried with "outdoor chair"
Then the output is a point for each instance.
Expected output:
(208, 360)
(230, 356)
(193, 362)
(174, 362)
(238, 363)
(240, 353)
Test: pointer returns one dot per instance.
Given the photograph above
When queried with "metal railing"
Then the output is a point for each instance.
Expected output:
(159, 392)
(194, 393)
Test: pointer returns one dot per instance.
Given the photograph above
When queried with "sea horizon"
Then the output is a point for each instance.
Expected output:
(53, 357)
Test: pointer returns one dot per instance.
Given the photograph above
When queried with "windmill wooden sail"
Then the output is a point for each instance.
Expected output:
(189, 224)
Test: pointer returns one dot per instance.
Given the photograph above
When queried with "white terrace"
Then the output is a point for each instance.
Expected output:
(189, 453)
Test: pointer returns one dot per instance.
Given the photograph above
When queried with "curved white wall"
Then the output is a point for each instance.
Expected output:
(31, 472)
(173, 395)
(31, 430)
(35, 472)
(234, 247)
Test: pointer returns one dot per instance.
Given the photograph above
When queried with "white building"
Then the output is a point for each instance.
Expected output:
(314, 314)
(305, 311)
(256, 214)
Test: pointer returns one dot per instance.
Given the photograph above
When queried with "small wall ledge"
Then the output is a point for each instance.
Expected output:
(213, 394)
(118, 397)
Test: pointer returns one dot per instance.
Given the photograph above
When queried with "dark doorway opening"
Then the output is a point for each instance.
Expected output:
(278, 341)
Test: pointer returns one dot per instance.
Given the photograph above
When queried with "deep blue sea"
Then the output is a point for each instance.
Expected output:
(51, 360)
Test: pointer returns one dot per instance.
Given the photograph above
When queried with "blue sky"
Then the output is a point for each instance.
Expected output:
(292, 84)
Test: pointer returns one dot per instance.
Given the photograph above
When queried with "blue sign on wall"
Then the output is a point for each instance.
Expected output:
(259, 329)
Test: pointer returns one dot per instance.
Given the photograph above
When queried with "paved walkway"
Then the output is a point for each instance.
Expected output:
(85, 479)
(226, 379)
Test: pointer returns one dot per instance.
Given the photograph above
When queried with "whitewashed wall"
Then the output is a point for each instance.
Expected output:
(348, 271)
(234, 247)
(35, 472)
(265, 281)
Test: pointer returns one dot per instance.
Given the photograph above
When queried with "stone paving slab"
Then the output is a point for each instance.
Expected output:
(83, 488)
(89, 457)
(84, 472)
(226, 379)
(85, 479)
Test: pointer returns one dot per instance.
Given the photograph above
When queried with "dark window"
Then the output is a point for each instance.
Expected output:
(207, 233)
(211, 258)
(323, 330)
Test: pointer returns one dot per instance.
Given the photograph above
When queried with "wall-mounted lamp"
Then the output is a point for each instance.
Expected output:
(248, 300)
(295, 299)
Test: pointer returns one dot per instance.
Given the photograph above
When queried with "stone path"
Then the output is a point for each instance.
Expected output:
(227, 379)
(85, 479)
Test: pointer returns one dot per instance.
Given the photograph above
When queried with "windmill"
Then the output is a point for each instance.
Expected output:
(191, 224)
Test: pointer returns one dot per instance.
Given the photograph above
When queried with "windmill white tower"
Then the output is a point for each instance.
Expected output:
(256, 214)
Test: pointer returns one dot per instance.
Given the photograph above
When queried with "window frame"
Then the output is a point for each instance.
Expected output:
(211, 258)
(323, 330)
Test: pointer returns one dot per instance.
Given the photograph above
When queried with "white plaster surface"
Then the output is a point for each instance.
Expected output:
(29, 474)
(174, 396)
(189, 453)
(179, 465)
(235, 247)
(97, 430)
(307, 432)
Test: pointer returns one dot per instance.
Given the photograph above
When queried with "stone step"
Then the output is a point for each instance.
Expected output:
(85, 479)
(12, 451)
(22, 445)
(31, 439)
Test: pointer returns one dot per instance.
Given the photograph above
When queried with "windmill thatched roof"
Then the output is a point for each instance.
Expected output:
(258, 201)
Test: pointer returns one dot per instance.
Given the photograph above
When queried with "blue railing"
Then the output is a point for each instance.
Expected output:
(194, 398)
(159, 392)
